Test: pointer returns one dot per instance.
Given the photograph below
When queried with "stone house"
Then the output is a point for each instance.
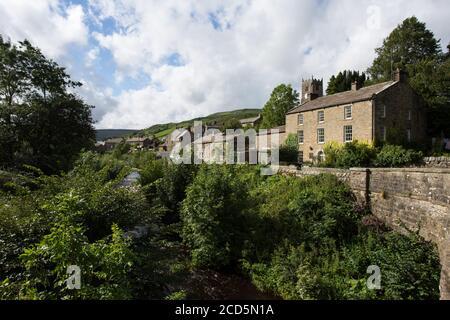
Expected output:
(250, 122)
(143, 142)
(385, 112)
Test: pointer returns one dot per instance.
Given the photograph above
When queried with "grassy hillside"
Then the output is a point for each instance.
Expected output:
(161, 130)
(103, 134)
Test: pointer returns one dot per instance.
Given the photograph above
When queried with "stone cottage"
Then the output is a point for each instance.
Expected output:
(385, 112)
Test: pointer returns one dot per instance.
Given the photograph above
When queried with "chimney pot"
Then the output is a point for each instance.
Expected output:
(355, 86)
(400, 76)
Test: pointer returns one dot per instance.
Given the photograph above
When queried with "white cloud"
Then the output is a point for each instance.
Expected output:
(257, 45)
(45, 23)
(91, 56)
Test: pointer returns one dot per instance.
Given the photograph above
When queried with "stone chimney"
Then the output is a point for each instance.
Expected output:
(356, 86)
(400, 76)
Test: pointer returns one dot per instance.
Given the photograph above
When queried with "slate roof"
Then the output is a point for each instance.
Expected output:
(363, 94)
(250, 120)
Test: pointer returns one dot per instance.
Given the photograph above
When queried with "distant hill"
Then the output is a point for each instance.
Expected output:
(103, 134)
(218, 119)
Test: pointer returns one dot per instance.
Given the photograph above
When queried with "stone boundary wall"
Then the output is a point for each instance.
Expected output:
(406, 199)
(436, 162)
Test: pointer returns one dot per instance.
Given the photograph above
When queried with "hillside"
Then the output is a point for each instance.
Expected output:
(103, 134)
(219, 118)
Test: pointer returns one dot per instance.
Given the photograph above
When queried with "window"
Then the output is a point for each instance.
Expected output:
(409, 115)
(321, 116)
(383, 133)
(383, 111)
(347, 112)
(408, 135)
(321, 135)
(348, 133)
(300, 137)
(300, 119)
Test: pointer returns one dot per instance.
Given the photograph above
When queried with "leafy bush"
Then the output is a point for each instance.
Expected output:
(104, 265)
(212, 218)
(355, 154)
(352, 154)
(397, 156)
(289, 150)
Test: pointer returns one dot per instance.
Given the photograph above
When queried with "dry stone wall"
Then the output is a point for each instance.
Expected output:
(408, 200)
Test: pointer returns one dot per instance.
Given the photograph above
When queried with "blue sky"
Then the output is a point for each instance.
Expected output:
(146, 61)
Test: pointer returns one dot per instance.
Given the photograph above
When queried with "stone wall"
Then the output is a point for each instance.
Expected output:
(408, 200)
(436, 162)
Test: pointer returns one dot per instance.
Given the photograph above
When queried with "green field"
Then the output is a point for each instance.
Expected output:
(218, 119)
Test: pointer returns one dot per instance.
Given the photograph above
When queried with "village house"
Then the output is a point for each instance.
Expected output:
(250, 122)
(136, 142)
(385, 112)
(143, 142)
(248, 146)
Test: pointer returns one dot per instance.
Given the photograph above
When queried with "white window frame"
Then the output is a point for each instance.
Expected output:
(351, 112)
(346, 133)
(302, 141)
(318, 116)
(408, 135)
(302, 117)
(318, 135)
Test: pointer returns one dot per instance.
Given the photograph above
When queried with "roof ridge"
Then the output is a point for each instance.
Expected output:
(344, 97)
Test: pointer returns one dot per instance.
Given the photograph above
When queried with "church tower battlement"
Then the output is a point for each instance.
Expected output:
(311, 89)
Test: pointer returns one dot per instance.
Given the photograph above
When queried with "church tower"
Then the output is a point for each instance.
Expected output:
(311, 89)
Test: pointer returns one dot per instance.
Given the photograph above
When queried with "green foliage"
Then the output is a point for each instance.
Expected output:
(104, 265)
(41, 123)
(171, 189)
(232, 123)
(212, 216)
(397, 156)
(297, 238)
(408, 44)
(413, 48)
(179, 295)
(431, 79)
(352, 154)
(282, 99)
(289, 150)
(218, 119)
(343, 81)
(152, 171)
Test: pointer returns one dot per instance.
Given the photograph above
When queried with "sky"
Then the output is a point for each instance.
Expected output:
(144, 62)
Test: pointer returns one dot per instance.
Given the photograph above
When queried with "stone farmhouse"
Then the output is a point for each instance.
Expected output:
(251, 122)
(385, 112)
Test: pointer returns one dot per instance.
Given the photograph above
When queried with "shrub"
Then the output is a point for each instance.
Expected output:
(104, 265)
(289, 150)
(331, 150)
(397, 156)
(213, 225)
(151, 172)
(352, 154)
(312, 210)
(355, 154)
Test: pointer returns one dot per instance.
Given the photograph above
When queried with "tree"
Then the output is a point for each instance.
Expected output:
(413, 48)
(213, 222)
(282, 99)
(431, 79)
(409, 43)
(232, 123)
(41, 122)
(343, 81)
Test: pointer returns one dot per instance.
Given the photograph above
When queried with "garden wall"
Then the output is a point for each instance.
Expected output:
(410, 199)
